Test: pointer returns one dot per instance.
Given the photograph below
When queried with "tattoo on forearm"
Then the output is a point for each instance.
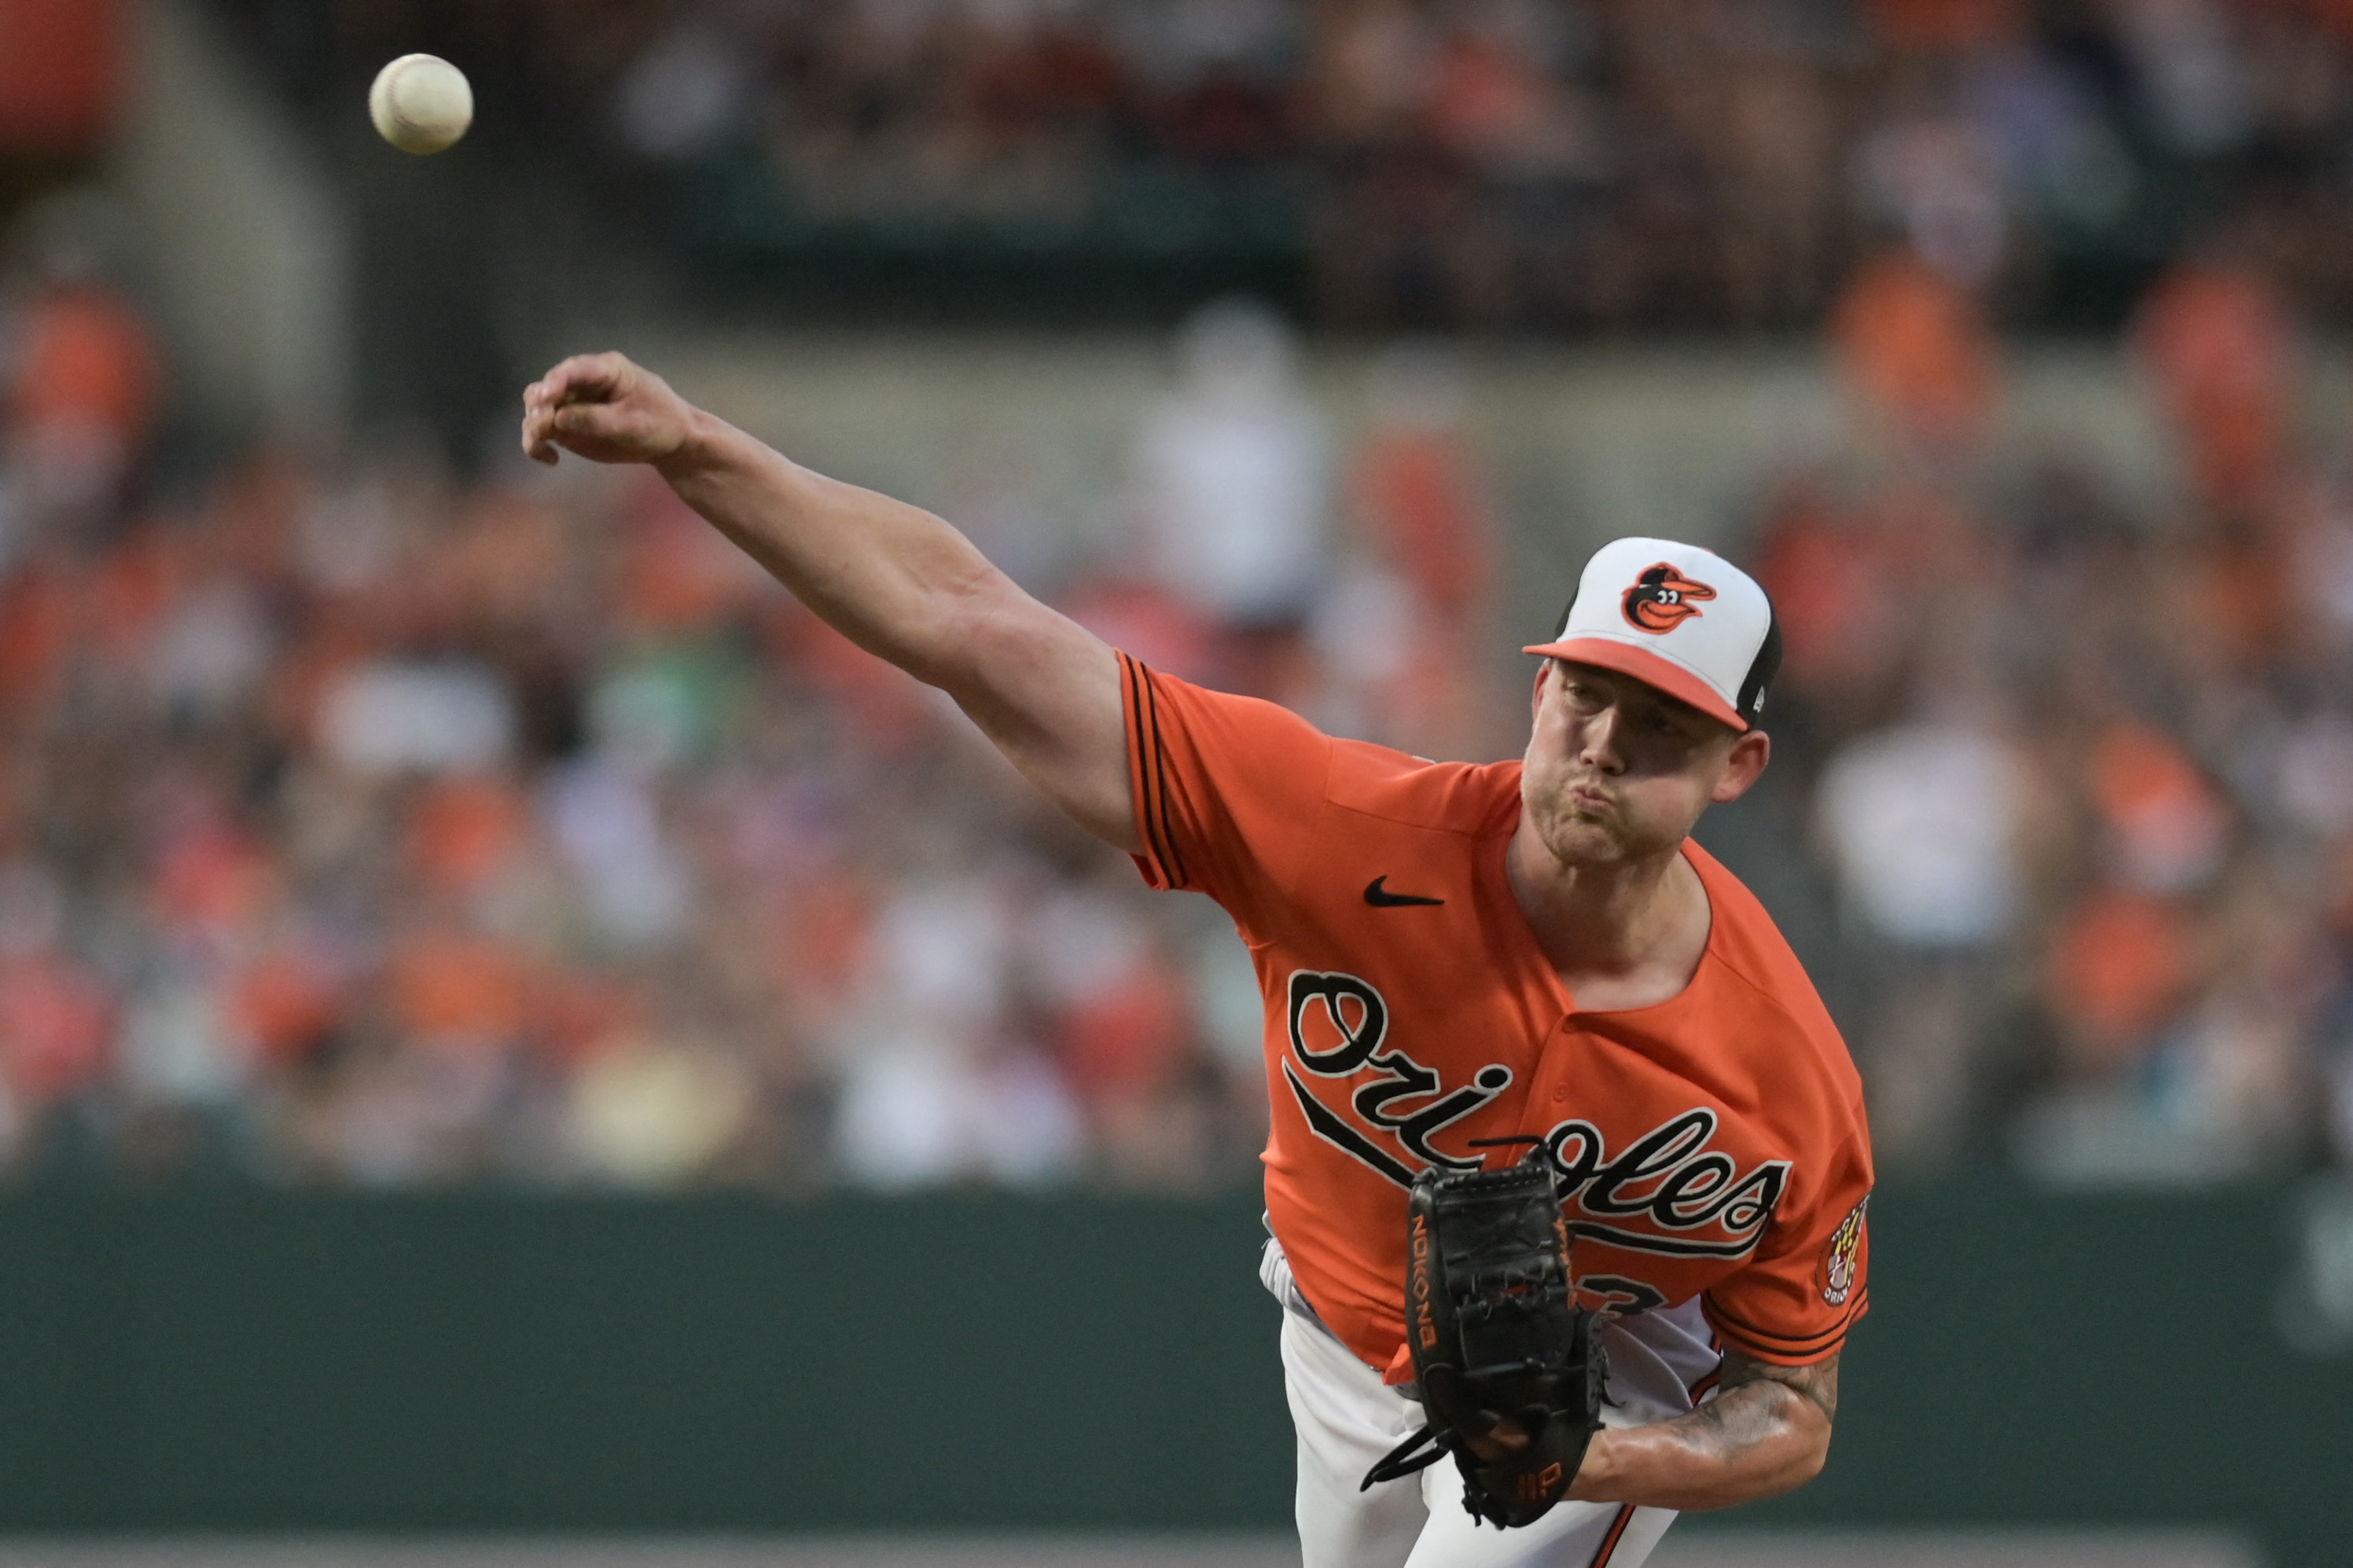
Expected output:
(1818, 1383)
(1752, 1402)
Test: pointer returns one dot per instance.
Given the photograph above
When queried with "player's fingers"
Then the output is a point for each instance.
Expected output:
(600, 430)
(585, 378)
(577, 423)
(536, 417)
(1502, 1438)
(599, 406)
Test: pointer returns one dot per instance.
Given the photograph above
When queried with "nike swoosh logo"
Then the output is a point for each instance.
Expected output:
(1380, 897)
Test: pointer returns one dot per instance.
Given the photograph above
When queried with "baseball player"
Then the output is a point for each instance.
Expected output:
(1447, 953)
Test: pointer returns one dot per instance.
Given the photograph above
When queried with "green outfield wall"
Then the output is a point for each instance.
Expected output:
(235, 1360)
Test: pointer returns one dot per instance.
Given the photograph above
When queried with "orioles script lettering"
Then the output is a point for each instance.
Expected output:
(1667, 1191)
(1701, 1202)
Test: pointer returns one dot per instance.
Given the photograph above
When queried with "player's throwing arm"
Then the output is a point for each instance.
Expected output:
(897, 581)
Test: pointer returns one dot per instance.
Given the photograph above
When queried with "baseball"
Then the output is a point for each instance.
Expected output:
(421, 103)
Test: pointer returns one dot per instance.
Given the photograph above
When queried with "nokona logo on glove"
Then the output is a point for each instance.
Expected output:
(1425, 1323)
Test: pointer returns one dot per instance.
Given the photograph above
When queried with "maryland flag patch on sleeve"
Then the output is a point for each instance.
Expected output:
(1842, 1255)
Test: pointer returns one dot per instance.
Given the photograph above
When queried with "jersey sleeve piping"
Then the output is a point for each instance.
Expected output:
(1784, 1350)
(1728, 1321)
(1148, 771)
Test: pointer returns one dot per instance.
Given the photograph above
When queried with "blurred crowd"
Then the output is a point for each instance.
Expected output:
(1489, 163)
(359, 824)
(2082, 774)
(363, 821)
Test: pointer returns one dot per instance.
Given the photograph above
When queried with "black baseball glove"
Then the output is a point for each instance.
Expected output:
(1500, 1352)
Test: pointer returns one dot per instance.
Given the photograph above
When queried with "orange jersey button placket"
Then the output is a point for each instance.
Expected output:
(1565, 1039)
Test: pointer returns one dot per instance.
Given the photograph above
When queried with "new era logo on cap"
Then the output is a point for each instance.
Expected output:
(1678, 618)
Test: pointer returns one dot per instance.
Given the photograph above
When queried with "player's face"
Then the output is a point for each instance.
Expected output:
(1617, 771)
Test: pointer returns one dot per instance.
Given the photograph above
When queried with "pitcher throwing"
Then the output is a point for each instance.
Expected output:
(1448, 953)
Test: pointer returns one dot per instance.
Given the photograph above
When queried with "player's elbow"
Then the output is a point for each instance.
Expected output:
(1802, 1458)
(1786, 1456)
(1809, 1460)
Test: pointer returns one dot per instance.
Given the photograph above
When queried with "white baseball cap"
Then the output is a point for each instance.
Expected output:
(1678, 618)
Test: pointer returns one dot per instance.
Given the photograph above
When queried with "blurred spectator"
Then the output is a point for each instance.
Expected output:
(1926, 828)
(2164, 827)
(2193, 78)
(1419, 492)
(1840, 594)
(689, 90)
(2217, 343)
(1407, 626)
(62, 65)
(1931, 173)
(1234, 478)
(80, 393)
(1924, 824)
(656, 1112)
(1918, 352)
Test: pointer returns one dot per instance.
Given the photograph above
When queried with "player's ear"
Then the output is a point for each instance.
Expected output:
(1750, 751)
(1545, 666)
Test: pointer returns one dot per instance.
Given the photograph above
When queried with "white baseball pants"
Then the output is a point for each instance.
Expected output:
(1347, 1419)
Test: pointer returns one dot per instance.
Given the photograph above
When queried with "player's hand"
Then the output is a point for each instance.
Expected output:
(607, 410)
(1499, 1442)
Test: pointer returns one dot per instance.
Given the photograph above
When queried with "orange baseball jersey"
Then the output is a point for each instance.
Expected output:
(1712, 1146)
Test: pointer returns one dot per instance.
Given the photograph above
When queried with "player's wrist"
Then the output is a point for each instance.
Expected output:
(701, 439)
(1603, 1474)
(1598, 1476)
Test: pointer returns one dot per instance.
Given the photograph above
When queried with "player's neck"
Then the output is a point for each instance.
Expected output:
(1621, 936)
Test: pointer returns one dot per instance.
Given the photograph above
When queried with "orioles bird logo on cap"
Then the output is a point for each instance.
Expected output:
(1660, 599)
